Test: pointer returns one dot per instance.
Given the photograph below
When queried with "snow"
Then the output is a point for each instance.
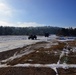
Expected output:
(74, 49)
(66, 38)
(49, 44)
(18, 55)
(53, 66)
(13, 42)
(30, 60)
(37, 51)
(4, 65)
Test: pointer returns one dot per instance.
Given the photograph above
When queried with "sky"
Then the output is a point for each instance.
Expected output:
(26, 13)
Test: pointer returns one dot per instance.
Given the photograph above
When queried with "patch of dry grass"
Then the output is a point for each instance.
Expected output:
(72, 43)
(70, 71)
(72, 58)
(26, 71)
(43, 56)
(40, 57)
(60, 46)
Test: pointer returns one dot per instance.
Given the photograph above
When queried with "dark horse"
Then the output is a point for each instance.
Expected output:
(46, 34)
(33, 37)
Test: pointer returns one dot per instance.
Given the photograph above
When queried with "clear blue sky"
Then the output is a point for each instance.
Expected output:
(60, 13)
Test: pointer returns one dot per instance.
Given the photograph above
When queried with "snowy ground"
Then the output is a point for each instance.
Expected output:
(42, 46)
(12, 42)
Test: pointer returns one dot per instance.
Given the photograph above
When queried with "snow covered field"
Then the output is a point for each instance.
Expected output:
(12, 42)
(44, 52)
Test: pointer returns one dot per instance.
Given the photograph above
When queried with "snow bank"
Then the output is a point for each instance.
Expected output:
(47, 65)
(52, 66)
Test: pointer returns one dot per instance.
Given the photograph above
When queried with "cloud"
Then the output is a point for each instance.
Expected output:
(20, 24)
(4, 23)
(28, 24)
(5, 9)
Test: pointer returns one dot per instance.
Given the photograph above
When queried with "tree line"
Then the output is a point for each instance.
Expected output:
(28, 30)
(67, 31)
(37, 31)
